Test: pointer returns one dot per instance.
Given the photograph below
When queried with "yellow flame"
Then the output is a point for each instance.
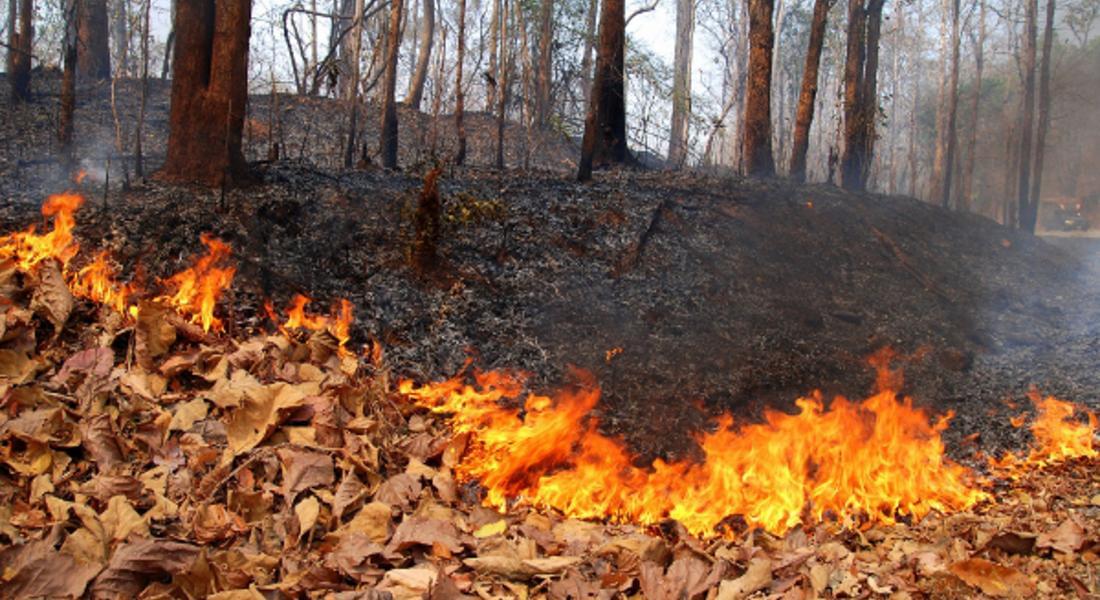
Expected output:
(195, 290)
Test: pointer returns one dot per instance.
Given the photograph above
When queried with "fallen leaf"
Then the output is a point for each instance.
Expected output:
(755, 578)
(261, 411)
(1066, 538)
(37, 570)
(52, 298)
(416, 531)
(307, 511)
(992, 579)
(408, 584)
(120, 519)
(400, 490)
(153, 333)
(186, 413)
(304, 469)
(99, 440)
(373, 520)
(134, 564)
(491, 529)
(348, 494)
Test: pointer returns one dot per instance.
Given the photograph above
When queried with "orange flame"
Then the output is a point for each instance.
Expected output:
(338, 323)
(195, 290)
(96, 282)
(1057, 435)
(29, 249)
(875, 461)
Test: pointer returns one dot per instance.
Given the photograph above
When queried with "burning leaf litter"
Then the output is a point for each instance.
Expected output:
(284, 465)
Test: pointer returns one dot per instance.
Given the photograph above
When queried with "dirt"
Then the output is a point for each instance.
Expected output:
(723, 294)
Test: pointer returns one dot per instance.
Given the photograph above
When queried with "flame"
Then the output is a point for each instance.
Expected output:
(1058, 434)
(28, 248)
(872, 461)
(338, 323)
(195, 290)
(96, 282)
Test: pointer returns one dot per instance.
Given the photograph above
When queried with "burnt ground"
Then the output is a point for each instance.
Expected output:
(724, 294)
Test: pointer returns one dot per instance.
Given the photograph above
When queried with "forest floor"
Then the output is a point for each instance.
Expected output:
(686, 295)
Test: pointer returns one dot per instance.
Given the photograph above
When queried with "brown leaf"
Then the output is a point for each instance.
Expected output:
(52, 298)
(93, 362)
(686, 577)
(993, 579)
(414, 531)
(37, 570)
(373, 520)
(136, 563)
(103, 486)
(99, 441)
(348, 494)
(16, 368)
(307, 511)
(352, 554)
(408, 584)
(215, 522)
(1066, 538)
(1013, 543)
(400, 490)
(120, 519)
(261, 411)
(153, 333)
(303, 470)
(757, 577)
(186, 413)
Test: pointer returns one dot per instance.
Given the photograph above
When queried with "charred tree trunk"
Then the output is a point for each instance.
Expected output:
(1027, 120)
(388, 142)
(68, 83)
(860, 92)
(120, 32)
(494, 67)
(93, 54)
(20, 46)
(944, 161)
(807, 97)
(460, 94)
(967, 192)
(503, 59)
(544, 75)
(605, 126)
(139, 160)
(757, 140)
(351, 88)
(681, 84)
(209, 92)
(1044, 114)
(420, 75)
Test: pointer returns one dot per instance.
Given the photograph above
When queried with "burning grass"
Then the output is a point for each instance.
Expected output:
(301, 470)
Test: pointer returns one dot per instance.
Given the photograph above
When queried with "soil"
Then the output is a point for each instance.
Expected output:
(723, 294)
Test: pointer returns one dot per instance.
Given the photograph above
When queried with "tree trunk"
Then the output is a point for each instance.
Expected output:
(544, 75)
(808, 96)
(589, 49)
(966, 196)
(757, 140)
(94, 54)
(681, 84)
(1044, 113)
(460, 94)
(20, 46)
(169, 45)
(69, 44)
(120, 31)
(351, 88)
(869, 95)
(860, 92)
(502, 81)
(944, 165)
(605, 125)
(209, 92)
(139, 160)
(494, 67)
(1027, 119)
(388, 142)
(420, 75)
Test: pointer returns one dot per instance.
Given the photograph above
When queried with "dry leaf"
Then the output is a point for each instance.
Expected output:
(307, 511)
(414, 531)
(348, 494)
(757, 577)
(491, 529)
(993, 579)
(153, 333)
(52, 298)
(261, 411)
(303, 470)
(120, 519)
(373, 520)
(400, 490)
(408, 584)
(37, 570)
(135, 564)
(185, 414)
(99, 441)
(1066, 538)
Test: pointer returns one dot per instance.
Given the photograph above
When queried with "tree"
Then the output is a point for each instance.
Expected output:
(1027, 216)
(388, 141)
(93, 51)
(351, 89)
(120, 32)
(20, 46)
(604, 139)
(69, 45)
(975, 105)
(860, 92)
(757, 139)
(943, 165)
(209, 92)
(544, 75)
(681, 83)
(808, 94)
(505, 66)
(1044, 115)
(420, 74)
(460, 94)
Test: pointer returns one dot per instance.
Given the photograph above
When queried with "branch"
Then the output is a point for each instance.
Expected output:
(641, 11)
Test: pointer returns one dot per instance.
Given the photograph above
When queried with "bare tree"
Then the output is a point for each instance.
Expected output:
(1027, 213)
(93, 50)
(943, 165)
(460, 94)
(544, 75)
(420, 74)
(681, 84)
(807, 97)
(757, 139)
(69, 43)
(1044, 110)
(209, 92)
(20, 46)
(351, 87)
(120, 32)
(860, 92)
(504, 60)
(975, 105)
(388, 141)
(605, 126)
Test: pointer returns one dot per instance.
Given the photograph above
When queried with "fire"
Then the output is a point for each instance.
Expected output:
(195, 290)
(28, 248)
(1057, 435)
(96, 282)
(872, 461)
(338, 323)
